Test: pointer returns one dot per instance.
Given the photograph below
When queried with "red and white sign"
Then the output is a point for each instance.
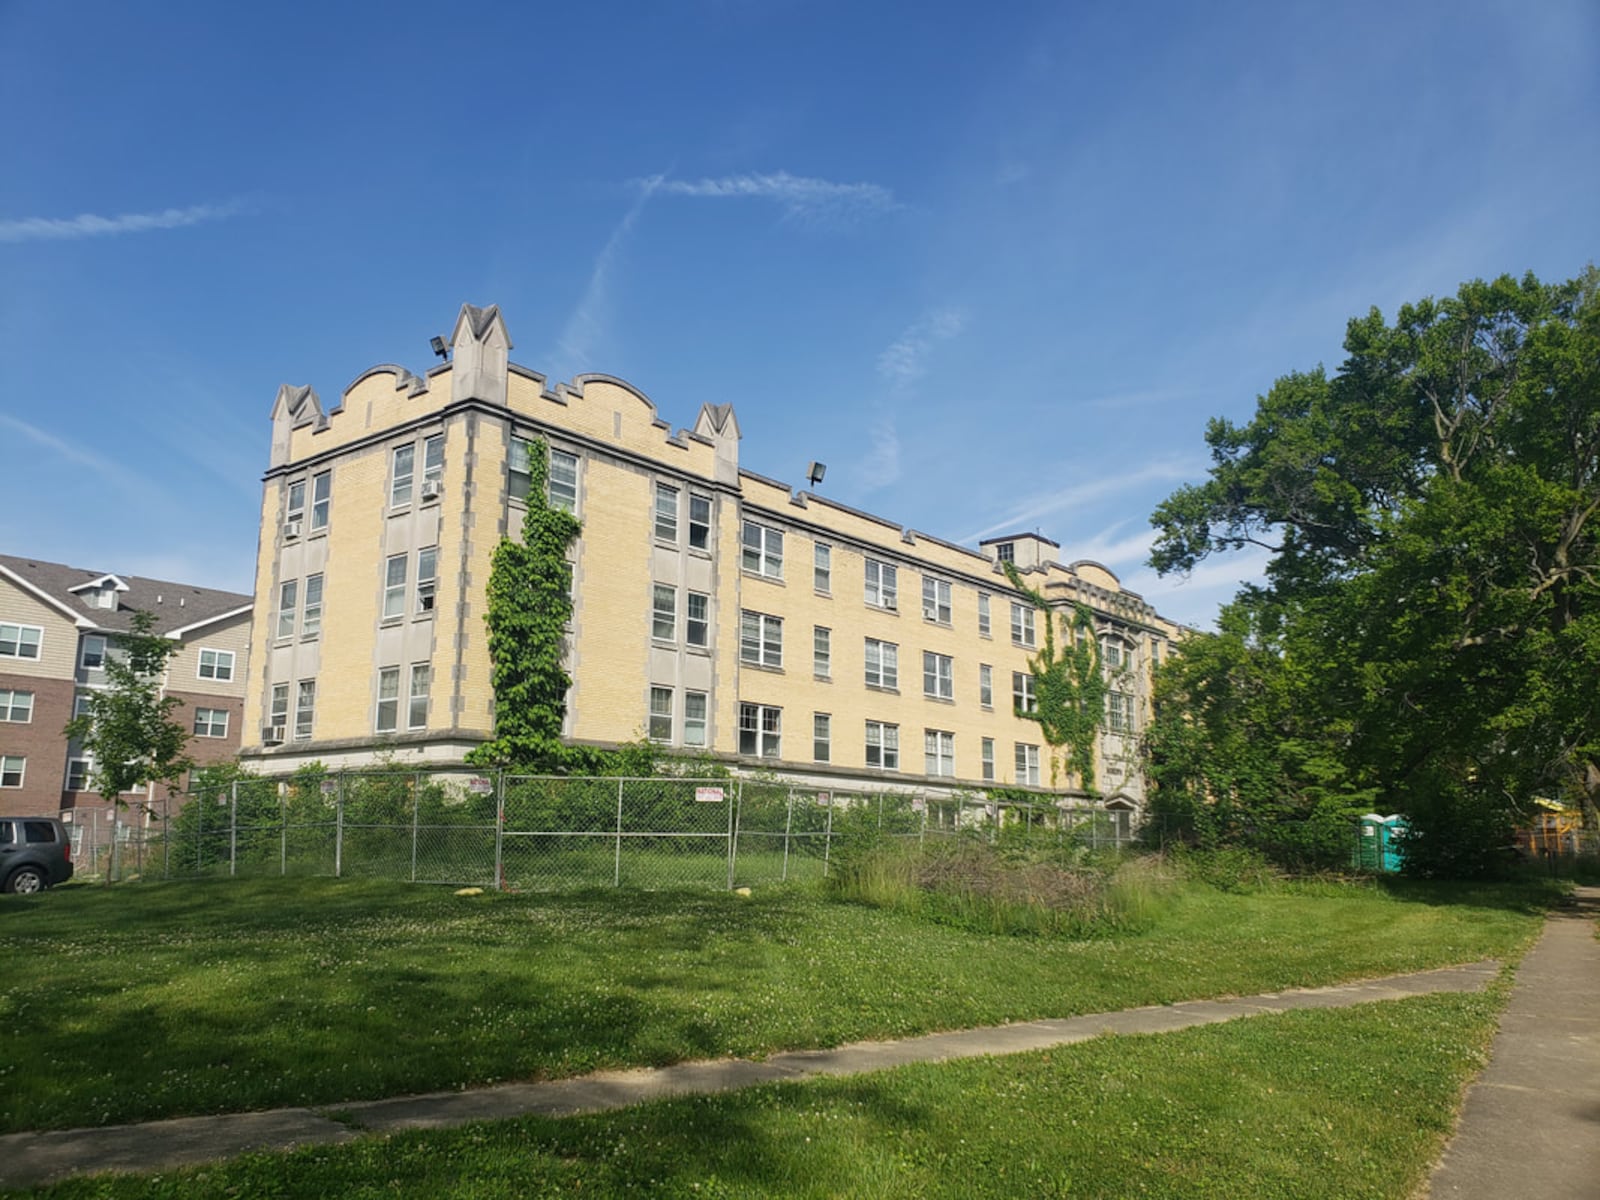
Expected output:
(709, 795)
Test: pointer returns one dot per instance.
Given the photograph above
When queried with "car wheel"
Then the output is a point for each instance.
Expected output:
(25, 881)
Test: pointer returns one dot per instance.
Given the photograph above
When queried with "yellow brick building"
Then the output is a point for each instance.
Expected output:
(715, 610)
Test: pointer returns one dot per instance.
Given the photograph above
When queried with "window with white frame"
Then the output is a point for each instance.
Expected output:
(562, 489)
(694, 718)
(80, 704)
(666, 513)
(663, 612)
(985, 685)
(987, 756)
(1119, 712)
(881, 578)
(311, 614)
(938, 676)
(935, 601)
(421, 685)
(760, 639)
(822, 568)
(660, 728)
(1114, 654)
(94, 652)
(697, 620)
(20, 641)
(760, 730)
(1027, 765)
(883, 746)
(294, 508)
(321, 499)
(1005, 552)
(983, 614)
(1155, 653)
(80, 773)
(762, 550)
(388, 718)
(1021, 624)
(883, 664)
(427, 578)
(938, 752)
(288, 607)
(13, 769)
(821, 651)
(394, 587)
(211, 722)
(278, 709)
(699, 521)
(821, 737)
(216, 664)
(305, 709)
(16, 708)
(433, 459)
(1023, 699)
(402, 474)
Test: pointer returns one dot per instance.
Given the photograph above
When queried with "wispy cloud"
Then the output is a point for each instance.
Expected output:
(85, 225)
(589, 325)
(65, 449)
(905, 360)
(1195, 598)
(881, 466)
(1090, 491)
(800, 198)
(1110, 550)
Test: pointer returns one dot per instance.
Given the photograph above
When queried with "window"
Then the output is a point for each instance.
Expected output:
(400, 480)
(20, 641)
(80, 703)
(760, 640)
(1023, 699)
(211, 722)
(305, 709)
(280, 705)
(762, 550)
(12, 770)
(881, 584)
(94, 652)
(1114, 654)
(699, 522)
(660, 714)
(16, 707)
(822, 567)
(821, 651)
(938, 752)
(883, 746)
(983, 614)
(1005, 552)
(1119, 712)
(821, 736)
(935, 601)
(760, 730)
(664, 613)
(938, 676)
(288, 602)
(694, 718)
(1027, 765)
(321, 495)
(697, 620)
(433, 459)
(394, 587)
(988, 758)
(294, 508)
(666, 513)
(421, 682)
(986, 685)
(79, 771)
(1021, 624)
(388, 700)
(216, 664)
(1155, 653)
(427, 577)
(883, 664)
(311, 617)
(519, 471)
(562, 490)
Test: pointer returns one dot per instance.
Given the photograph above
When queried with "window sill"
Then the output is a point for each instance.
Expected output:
(822, 592)
(761, 667)
(878, 687)
(821, 678)
(425, 615)
(700, 552)
(891, 609)
(749, 574)
(940, 699)
(386, 622)
(703, 651)
(927, 620)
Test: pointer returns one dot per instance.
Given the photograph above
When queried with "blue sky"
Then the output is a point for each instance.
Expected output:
(996, 265)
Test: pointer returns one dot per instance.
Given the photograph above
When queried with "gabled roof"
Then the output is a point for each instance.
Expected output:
(178, 607)
(100, 584)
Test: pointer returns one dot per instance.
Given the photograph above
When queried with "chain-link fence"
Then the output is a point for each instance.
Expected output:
(534, 833)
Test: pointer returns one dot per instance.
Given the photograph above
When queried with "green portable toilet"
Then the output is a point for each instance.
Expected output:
(1377, 844)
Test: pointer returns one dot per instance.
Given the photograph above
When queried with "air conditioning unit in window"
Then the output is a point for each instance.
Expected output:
(291, 529)
(432, 490)
(272, 735)
(930, 613)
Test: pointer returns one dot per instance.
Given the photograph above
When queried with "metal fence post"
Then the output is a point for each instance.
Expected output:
(283, 834)
(788, 827)
(338, 828)
(416, 800)
(233, 829)
(617, 868)
(827, 838)
(166, 838)
(733, 831)
(500, 829)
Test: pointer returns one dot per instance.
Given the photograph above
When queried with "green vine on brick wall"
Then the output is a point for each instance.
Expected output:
(530, 605)
(1070, 687)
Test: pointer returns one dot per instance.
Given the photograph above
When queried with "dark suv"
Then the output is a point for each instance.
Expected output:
(35, 853)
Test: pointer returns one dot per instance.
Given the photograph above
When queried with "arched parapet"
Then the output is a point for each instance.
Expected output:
(404, 380)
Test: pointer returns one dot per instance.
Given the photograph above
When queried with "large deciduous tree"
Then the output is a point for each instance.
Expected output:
(1428, 636)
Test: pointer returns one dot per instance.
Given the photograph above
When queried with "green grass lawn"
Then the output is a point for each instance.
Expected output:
(1336, 1104)
(177, 998)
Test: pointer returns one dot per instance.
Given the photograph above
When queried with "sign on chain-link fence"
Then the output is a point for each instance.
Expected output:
(533, 833)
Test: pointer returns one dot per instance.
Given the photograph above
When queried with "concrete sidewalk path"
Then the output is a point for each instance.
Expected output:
(32, 1158)
(1531, 1123)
